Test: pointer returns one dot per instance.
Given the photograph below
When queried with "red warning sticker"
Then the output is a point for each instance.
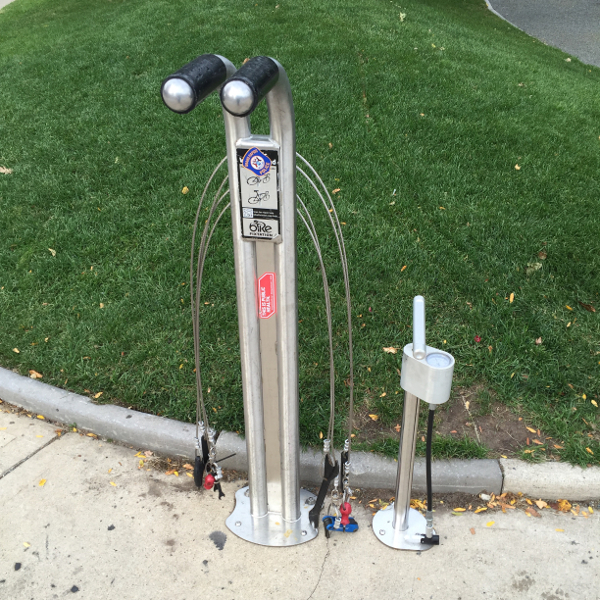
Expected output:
(267, 296)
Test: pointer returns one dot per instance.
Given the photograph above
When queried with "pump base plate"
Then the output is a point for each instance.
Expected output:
(402, 540)
(271, 530)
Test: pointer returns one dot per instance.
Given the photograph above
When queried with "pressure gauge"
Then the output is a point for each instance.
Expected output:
(438, 360)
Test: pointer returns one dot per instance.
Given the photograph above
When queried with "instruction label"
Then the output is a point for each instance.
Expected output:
(259, 193)
(267, 295)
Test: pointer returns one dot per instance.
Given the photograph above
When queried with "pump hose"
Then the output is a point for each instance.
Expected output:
(428, 457)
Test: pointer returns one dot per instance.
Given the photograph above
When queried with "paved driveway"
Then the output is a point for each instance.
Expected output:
(571, 25)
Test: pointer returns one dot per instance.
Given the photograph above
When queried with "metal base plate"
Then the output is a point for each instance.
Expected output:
(402, 540)
(271, 530)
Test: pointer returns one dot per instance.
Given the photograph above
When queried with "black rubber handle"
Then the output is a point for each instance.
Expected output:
(204, 75)
(260, 74)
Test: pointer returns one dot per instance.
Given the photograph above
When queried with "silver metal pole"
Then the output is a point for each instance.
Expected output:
(245, 277)
(282, 125)
(406, 459)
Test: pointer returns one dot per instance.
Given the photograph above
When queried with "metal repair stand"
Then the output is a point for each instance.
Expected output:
(426, 374)
(273, 510)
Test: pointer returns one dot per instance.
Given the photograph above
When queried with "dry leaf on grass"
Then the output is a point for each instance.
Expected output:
(374, 417)
(588, 307)
(5, 170)
(391, 350)
(34, 374)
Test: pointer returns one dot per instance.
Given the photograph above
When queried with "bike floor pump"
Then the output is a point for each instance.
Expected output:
(272, 510)
(427, 375)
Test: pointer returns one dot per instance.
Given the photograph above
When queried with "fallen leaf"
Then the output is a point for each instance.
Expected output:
(558, 447)
(517, 167)
(336, 190)
(564, 505)
(531, 511)
(489, 523)
(189, 474)
(113, 484)
(39, 436)
(537, 442)
(42, 482)
(101, 304)
(185, 190)
(588, 307)
(588, 450)
(188, 467)
(110, 470)
(170, 472)
(591, 510)
(176, 473)
(383, 395)
(512, 297)
(397, 428)
(374, 417)
(528, 501)
(481, 509)
(148, 453)
(530, 429)
(402, 269)
(538, 341)
(98, 395)
(34, 374)
(472, 530)
(542, 255)
(460, 509)
(16, 350)
(26, 544)
(5, 170)
(541, 504)
(41, 417)
(568, 307)
(53, 252)
(559, 530)
(320, 435)
(594, 403)
(391, 350)
(92, 435)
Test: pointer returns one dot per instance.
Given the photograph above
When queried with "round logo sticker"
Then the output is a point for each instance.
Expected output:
(257, 162)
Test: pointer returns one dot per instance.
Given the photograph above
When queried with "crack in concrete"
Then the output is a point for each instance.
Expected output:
(11, 469)
(322, 571)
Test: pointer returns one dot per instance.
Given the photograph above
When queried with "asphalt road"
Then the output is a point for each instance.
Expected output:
(571, 25)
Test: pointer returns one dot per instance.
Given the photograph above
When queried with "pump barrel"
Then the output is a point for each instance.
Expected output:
(419, 348)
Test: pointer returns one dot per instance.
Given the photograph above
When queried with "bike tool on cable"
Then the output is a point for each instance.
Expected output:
(272, 510)
(426, 375)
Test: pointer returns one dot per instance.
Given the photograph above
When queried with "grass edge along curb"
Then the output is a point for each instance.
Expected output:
(174, 438)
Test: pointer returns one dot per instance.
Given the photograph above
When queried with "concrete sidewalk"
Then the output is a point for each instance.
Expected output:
(101, 527)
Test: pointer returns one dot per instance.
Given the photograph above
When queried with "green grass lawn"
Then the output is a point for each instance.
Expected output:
(438, 101)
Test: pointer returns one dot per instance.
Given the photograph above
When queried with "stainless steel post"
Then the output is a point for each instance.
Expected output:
(273, 510)
(406, 460)
(264, 223)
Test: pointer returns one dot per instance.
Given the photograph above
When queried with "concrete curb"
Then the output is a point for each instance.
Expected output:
(173, 438)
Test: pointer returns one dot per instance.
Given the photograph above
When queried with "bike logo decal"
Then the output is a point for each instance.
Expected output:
(261, 228)
(267, 296)
(257, 162)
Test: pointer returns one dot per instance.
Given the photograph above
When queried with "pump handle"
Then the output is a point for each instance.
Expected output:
(185, 89)
(419, 348)
(243, 91)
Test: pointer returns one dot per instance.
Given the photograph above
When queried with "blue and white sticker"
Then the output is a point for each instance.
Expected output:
(257, 162)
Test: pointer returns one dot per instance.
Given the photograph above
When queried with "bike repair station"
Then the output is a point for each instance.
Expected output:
(273, 510)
